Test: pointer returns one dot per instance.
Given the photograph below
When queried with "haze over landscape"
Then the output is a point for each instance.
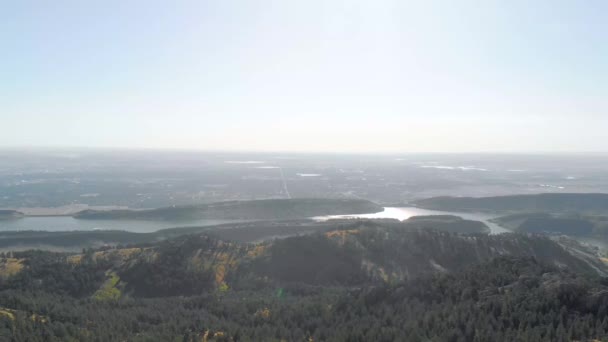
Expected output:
(227, 171)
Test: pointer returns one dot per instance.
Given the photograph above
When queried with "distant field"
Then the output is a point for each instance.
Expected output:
(153, 179)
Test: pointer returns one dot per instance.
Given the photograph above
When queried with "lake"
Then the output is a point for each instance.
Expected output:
(404, 213)
(67, 223)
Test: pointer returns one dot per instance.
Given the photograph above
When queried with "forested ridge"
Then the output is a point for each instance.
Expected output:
(362, 281)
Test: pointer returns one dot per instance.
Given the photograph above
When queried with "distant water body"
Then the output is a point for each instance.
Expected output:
(68, 223)
(404, 213)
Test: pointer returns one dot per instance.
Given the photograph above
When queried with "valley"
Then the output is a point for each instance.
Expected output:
(371, 253)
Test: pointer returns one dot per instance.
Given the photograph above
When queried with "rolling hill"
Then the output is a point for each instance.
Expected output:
(363, 278)
(356, 254)
(561, 202)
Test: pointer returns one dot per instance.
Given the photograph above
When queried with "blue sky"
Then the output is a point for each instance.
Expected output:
(315, 75)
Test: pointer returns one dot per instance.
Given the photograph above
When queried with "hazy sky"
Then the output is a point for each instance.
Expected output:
(327, 75)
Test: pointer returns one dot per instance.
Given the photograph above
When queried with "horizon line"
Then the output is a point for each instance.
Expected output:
(34, 148)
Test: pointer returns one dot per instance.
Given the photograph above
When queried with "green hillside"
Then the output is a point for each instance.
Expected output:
(358, 253)
(363, 280)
